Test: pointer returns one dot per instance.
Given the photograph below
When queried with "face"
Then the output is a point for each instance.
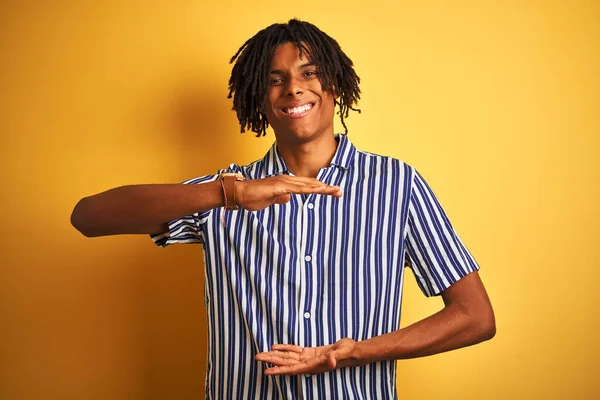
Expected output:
(297, 107)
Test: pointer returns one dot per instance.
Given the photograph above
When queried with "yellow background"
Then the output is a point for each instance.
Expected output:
(496, 103)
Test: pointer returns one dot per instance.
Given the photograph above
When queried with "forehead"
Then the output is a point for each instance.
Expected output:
(288, 54)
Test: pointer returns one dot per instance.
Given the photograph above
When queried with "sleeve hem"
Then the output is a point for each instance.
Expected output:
(438, 291)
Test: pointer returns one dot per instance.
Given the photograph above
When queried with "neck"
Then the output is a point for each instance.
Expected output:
(307, 158)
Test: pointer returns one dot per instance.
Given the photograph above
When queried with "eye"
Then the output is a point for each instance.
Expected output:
(275, 81)
(308, 74)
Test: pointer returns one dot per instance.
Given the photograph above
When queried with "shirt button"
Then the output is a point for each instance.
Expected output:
(307, 258)
(307, 315)
(311, 206)
(307, 375)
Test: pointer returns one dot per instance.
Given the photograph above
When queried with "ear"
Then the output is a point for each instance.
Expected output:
(335, 93)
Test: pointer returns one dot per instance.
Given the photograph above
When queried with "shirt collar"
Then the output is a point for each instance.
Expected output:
(344, 156)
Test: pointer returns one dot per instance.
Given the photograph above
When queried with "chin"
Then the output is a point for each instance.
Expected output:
(297, 135)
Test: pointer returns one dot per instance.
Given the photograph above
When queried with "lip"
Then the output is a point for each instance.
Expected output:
(300, 115)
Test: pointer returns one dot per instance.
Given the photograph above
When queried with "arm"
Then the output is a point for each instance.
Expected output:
(142, 208)
(148, 208)
(466, 319)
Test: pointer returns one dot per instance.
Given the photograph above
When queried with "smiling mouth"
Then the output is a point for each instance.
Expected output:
(298, 111)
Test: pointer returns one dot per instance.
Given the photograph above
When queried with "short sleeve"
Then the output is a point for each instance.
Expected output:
(433, 249)
(187, 229)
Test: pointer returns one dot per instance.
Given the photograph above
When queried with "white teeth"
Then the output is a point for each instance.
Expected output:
(298, 110)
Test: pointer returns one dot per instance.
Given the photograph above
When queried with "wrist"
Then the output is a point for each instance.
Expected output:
(358, 354)
(228, 182)
(364, 353)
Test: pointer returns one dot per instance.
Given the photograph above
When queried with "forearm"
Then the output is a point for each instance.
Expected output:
(142, 208)
(451, 328)
(147, 208)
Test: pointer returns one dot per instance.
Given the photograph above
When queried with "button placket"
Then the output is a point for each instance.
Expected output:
(308, 268)
(303, 303)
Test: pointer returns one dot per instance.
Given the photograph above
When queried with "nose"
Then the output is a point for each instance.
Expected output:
(294, 87)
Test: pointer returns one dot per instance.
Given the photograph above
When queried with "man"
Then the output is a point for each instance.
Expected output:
(305, 249)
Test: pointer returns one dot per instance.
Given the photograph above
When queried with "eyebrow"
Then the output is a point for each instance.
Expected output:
(280, 72)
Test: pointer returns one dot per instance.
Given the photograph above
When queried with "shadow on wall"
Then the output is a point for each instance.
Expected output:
(170, 282)
(201, 121)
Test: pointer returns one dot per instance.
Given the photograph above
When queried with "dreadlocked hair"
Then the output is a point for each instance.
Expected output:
(248, 83)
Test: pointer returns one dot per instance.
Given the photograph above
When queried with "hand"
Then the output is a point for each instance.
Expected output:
(256, 194)
(290, 359)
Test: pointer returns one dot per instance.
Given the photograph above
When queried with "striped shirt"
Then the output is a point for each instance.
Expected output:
(316, 270)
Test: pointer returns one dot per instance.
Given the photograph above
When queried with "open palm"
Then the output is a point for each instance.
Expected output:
(290, 359)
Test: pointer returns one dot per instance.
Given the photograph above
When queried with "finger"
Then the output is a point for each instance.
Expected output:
(286, 370)
(278, 361)
(323, 189)
(279, 353)
(283, 370)
(316, 189)
(278, 357)
(314, 365)
(302, 179)
(281, 191)
(287, 347)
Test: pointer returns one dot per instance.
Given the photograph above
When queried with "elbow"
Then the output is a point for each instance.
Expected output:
(80, 218)
(486, 325)
(488, 331)
(481, 322)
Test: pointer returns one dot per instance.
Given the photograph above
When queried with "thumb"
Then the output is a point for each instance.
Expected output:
(331, 360)
(282, 199)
